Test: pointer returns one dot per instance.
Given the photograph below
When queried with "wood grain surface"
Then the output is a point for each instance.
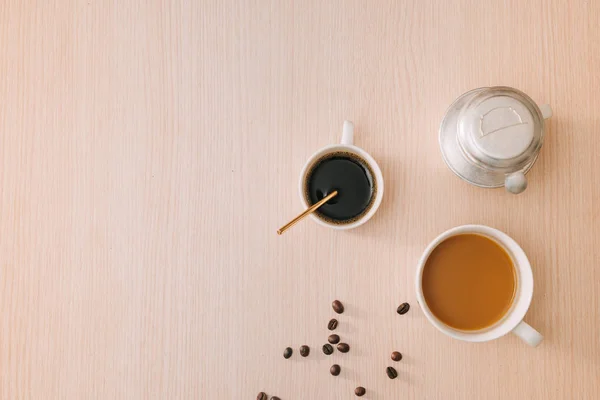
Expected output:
(149, 150)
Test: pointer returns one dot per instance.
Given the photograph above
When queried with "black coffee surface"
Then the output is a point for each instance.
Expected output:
(350, 176)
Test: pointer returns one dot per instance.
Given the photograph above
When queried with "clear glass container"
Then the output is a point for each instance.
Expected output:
(491, 137)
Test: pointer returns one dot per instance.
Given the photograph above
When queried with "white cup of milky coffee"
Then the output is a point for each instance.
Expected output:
(345, 148)
(512, 319)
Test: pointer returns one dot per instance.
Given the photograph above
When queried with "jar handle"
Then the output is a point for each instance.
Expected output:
(546, 111)
(516, 183)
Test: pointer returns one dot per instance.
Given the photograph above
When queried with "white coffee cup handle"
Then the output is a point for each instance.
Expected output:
(348, 133)
(528, 334)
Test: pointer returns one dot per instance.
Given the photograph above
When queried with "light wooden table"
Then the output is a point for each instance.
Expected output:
(150, 149)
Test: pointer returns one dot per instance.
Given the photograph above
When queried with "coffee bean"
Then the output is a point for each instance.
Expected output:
(275, 398)
(338, 307)
(261, 396)
(332, 324)
(327, 349)
(343, 347)
(396, 356)
(304, 350)
(287, 353)
(391, 372)
(403, 308)
(333, 339)
(335, 370)
(360, 391)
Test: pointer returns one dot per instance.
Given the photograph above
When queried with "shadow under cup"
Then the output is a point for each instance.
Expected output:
(348, 173)
(470, 282)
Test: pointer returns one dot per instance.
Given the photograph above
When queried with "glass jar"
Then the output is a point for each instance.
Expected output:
(491, 137)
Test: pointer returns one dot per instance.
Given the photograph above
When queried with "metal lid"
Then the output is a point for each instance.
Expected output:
(501, 128)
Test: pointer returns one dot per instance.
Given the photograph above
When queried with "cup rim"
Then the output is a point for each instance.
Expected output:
(376, 171)
(524, 288)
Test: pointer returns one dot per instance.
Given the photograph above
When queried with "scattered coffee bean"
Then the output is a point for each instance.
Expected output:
(332, 324)
(396, 356)
(343, 347)
(391, 372)
(275, 398)
(333, 339)
(304, 350)
(403, 308)
(327, 349)
(335, 370)
(360, 391)
(261, 396)
(338, 307)
(287, 353)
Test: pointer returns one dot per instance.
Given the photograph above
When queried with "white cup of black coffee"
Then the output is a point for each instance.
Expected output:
(353, 173)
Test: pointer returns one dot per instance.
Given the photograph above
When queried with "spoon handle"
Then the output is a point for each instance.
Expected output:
(309, 210)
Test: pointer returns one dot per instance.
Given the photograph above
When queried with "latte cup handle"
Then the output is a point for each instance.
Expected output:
(348, 133)
(528, 334)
